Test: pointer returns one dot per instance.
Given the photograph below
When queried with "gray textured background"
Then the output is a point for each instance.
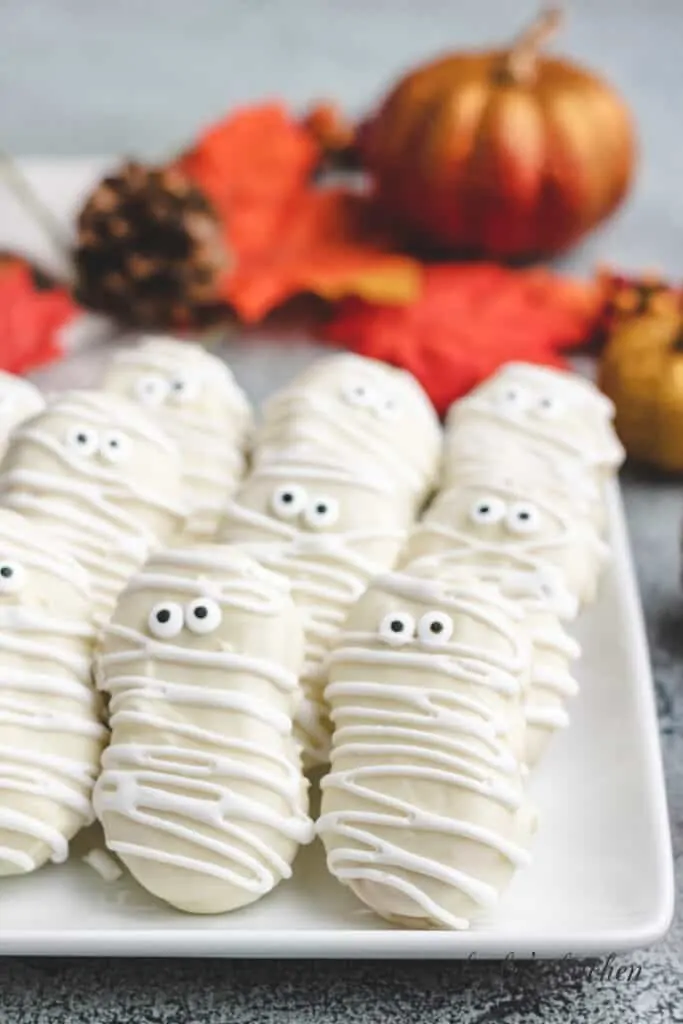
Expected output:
(79, 77)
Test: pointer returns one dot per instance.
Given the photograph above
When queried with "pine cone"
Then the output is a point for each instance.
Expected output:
(150, 250)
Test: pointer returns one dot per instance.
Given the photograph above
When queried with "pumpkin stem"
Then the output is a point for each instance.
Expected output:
(522, 58)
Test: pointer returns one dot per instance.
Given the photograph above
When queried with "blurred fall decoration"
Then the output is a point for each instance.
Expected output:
(641, 370)
(468, 321)
(279, 232)
(503, 153)
(33, 310)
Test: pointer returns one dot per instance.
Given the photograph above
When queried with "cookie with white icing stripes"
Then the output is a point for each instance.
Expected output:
(50, 733)
(201, 793)
(494, 518)
(361, 412)
(424, 812)
(552, 411)
(195, 398)
(103, 477)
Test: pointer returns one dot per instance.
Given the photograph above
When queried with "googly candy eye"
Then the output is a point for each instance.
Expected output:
(12, 577)
(115, 446)
(512, 398)
(151, 390)
(357, 393)
(397, 628)
(203, 615)
(288, 501)
(435, 628)
(82, 440)
(387, 409)
(183, 389)
(321, 512)
(165, 620)
(523, 517)
(549, 407)
(487, 510)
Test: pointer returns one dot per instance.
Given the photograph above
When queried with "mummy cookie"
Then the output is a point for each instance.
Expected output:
(194, 397)
(329, 532)
(105, 480)
(361, 411)
(279, 502)
(50, 734)
(424, 814)
(493, 518)
(546, 606)
(201, 792)
(554, 412)
(19, 400)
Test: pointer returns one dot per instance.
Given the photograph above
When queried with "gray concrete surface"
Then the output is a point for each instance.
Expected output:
(81, 77)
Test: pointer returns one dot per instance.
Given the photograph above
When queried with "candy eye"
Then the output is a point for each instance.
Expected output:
(513, 398)
(549, 408)
(321, 512)
(12, 577)
(82, 440)
(151, 390)
(359, 394)
(487, 510)
(523, 518)
(288, 501)
(435, 628)
(115, 446)
(397, 628)
(203, 615)
(183, 390)
(388, 409)
(165, 620)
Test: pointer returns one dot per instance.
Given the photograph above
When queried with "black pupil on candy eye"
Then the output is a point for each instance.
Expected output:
(288, 497)
(113, 443)
(201, 612)
(321, 508)
(164, 615)
(7, 572)
(484, 509)
(396, 626)
(178, 385)
(436, 627)
(82, 438)
(524, 516)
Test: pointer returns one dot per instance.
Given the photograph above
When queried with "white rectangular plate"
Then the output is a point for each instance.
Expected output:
(602, 876)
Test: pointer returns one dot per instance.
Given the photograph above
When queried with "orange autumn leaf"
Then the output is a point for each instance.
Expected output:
(249, 164)
(468, 320)
(326, 242)
(288, 235)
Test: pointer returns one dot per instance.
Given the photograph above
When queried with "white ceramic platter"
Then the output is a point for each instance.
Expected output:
(602, 876)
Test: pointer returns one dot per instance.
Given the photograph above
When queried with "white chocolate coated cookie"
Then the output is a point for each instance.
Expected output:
(279, 502)
(196, 399)
(19, 400)
(493, 518)
(50, 733)
(546, 605)
(103, 477)
(553, 411)
(424, 814)
(360, 412)
(202, 794)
